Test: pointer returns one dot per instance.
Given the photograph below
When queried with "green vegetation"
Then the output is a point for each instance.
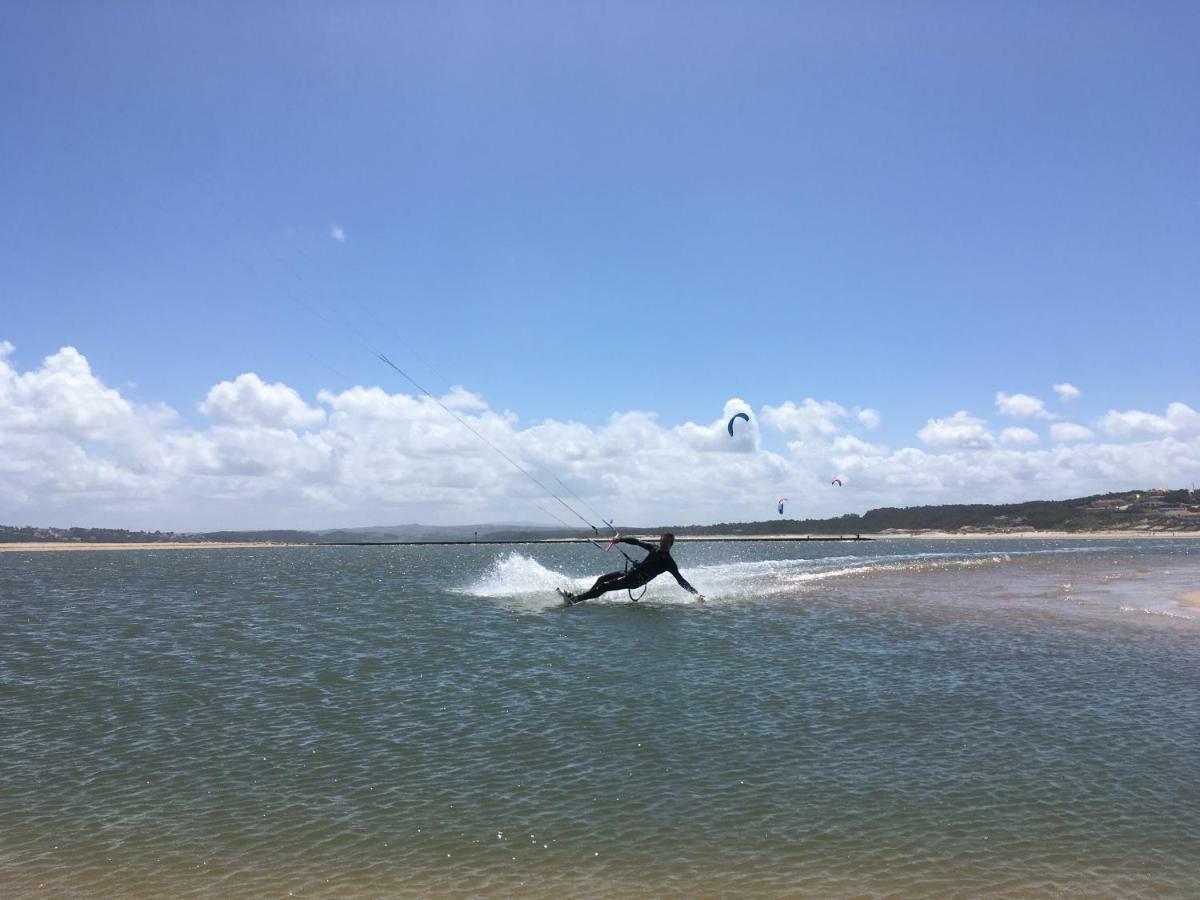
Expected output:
(12, 534)
(277, 536)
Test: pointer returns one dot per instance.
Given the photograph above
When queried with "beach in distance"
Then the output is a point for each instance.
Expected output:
(991, 716)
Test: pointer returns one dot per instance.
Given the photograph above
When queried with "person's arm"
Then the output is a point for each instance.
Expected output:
(635, 542)
(683, 582)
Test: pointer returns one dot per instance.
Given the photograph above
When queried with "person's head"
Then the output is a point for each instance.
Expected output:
(665, 540)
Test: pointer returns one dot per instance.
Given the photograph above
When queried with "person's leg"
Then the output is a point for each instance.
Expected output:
(605, 583)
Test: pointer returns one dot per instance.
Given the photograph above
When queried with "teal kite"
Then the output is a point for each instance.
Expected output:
(736, 416)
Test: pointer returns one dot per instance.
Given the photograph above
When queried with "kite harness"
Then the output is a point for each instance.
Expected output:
(629, 563)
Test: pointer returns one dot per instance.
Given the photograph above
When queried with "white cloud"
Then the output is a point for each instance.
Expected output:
(1018, 437)
(849, 444)
(960, 431)
(75, 451)
(910, 476)
(1069, 433)
(1067, 392)
(63, 397)
(53, 419)
(715, 435)
(459, 398)
(868, 417)
(812, 418)
(1183, 418)
(1021, 406)
(1179, 419)
(1133, 423)
(337, 233)
(248, 401)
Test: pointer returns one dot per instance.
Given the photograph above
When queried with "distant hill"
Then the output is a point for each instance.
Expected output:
(1159, 510)
(276, 536)
(417, 532)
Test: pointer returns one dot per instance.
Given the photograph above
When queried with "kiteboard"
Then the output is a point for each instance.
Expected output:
(567, 597)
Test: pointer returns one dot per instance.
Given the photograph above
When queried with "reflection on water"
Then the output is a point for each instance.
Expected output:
(896, 718)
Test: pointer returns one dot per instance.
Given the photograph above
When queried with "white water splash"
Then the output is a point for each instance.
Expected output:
(520, 578)
(516, 575)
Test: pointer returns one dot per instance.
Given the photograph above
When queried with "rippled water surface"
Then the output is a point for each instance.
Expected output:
(895, 718)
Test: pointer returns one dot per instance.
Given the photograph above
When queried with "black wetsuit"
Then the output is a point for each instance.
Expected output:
(656, 562)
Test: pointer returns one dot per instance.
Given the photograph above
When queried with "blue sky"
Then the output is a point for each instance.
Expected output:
(576, 210)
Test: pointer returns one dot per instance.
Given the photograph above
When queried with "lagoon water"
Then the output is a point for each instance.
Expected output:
(896, 718)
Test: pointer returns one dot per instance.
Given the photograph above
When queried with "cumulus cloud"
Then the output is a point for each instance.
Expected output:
(64, 434)
(715, 435)
(1069, 432)
(812, 418)
(1134, 422)
(75, 451)
(960, 431)
(50, 416)
(247, 400)
(337, 233)
(1007, 475)
(849, 444)
(1021, 406)
(1067, 392)
(62, 397)
(1183, 418)
(1179, 419)
(459, 398)
(868, 417)
(1019, 437)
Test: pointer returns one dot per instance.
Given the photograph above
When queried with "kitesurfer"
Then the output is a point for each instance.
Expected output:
(657, 560)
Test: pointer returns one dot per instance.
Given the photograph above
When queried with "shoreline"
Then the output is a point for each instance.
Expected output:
(50, 547)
